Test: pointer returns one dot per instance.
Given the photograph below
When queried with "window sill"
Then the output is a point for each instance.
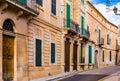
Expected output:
(39, 7)
(54, 16)
(53, 64)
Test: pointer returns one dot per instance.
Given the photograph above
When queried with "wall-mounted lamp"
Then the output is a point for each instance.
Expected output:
(115, 9)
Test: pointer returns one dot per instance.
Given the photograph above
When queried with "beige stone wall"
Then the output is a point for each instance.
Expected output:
(46, 27)
(48, 35)
(20, 44)
(97, 21)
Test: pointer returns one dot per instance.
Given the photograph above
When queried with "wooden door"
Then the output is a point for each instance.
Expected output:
(75, 56)
(8, 58)
(67, 56)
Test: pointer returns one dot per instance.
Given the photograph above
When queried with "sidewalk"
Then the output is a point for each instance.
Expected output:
(113, 77)
(101, 71)
(54, 77)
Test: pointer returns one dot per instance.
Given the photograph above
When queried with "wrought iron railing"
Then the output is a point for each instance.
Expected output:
(101, 41)
(85, 33)
(108, 41)
(118, 47)
(74, 27)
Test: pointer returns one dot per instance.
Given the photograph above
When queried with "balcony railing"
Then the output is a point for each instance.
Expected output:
(108, 41)
(101, 41)
(74, 27)
(85, 33)
(118, 47)
(26, 5)
(82, 60)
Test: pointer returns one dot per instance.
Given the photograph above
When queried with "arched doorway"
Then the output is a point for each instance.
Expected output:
(8, 50)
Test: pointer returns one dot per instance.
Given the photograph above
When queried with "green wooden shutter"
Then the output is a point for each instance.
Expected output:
(52, 53)
(99, 32)
(38, 52)
(90, 54)
(82, 25)
(67, 15)
(53, 7)
(82, 1)
(24, 2)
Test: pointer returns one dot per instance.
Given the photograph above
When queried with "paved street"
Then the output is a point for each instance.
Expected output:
(93, 75)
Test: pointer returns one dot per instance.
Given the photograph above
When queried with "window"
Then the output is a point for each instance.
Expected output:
(90, 54)
(108, 40)
(53, 7)
(99, 35)
(119, 33)
(116, 43)
(82, 25)
(67, 15)
(87, 28)
(38, 60)
(7, 25)
(110, 56)
(103, 56)
(52, 52)
(24, 2)
(39, 2)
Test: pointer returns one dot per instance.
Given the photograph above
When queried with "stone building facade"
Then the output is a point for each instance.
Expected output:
(47, 37)
(45, 40)
(90, 40)
(105, 37)
(31, 42)
(14, 19)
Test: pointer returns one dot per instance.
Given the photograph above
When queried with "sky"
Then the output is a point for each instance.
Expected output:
(108, 14)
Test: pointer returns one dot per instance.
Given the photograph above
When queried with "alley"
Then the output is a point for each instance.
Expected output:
(93, 75)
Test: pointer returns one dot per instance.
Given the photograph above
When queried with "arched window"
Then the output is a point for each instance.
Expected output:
(8, 25)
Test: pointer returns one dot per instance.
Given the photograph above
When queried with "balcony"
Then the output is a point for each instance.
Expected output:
(22, 5)
(108, 41)
(85, 33)
(118, 47)
(101, 41)
(73, 28)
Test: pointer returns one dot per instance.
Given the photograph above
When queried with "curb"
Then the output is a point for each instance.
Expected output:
(103, 78)
(66, 77)
(63, 77)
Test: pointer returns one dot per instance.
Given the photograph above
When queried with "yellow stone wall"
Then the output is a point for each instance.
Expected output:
(20, 44)
(97, 21)
(48, 28)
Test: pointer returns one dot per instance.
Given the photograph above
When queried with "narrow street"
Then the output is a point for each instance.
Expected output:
(93, 75)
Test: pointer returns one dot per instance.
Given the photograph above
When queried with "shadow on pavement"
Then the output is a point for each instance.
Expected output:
(85, 77)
